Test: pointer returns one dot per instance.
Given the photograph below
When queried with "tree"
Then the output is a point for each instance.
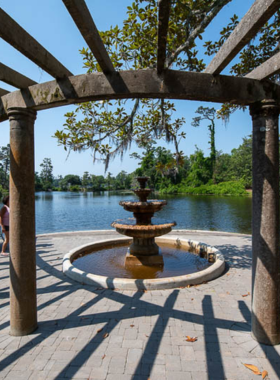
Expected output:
(70, 180)
(86, 180)
(263, 46)
(98, 182)
(46, 174)
(109, 131)
(38, 182)
(123, 181)
(5, 166)
(241, 162)
(200, 169)
(208, 114)
(223, 172)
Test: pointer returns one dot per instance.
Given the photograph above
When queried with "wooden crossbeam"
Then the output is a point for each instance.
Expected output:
(141, 84)
(14, 78)
(255, 18)
(82, 18)
(3, 92)
(163, 18)
(16, 36)
(266, 69)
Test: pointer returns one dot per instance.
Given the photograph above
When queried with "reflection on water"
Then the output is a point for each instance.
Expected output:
(66, 211)
(110, 262)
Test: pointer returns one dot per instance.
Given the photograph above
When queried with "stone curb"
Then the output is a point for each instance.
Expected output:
(208, 274)
(112, 231)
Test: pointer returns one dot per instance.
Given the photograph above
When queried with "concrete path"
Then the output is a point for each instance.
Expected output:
(88, 333)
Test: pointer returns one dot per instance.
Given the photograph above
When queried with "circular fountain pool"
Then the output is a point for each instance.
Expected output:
(186, 262)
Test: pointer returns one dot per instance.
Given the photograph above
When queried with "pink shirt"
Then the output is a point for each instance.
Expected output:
(6, 217)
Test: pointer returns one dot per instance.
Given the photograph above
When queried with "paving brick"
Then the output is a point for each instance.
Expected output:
(67, 344)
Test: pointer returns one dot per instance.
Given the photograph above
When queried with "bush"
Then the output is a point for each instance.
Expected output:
(75, 188)
(3, 193)
(223, 188)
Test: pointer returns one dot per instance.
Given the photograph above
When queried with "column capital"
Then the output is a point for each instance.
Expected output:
(267, 107)
(15, 113)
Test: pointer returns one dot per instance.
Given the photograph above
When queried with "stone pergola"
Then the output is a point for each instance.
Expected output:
(254, 90)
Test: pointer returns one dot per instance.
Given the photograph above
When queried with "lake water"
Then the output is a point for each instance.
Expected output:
(66, 211)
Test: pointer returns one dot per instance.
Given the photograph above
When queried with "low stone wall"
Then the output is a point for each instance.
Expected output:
(204, 250)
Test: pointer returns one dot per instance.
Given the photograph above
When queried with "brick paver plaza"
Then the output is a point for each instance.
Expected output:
(143, 333)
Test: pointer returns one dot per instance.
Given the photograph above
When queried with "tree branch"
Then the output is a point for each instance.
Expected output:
(198, 30)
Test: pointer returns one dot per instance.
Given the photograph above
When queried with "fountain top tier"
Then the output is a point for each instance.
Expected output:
(142, 193)
(143, 210)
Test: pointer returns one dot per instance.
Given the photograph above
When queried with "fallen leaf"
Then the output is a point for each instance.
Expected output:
(189, 339)
(253, 368)
(131, 325)
(228, 292)
(147, 335)
(245, 295)
(98, 331)
(228, 274)
(103, 357)
(145, 291)
(264, 374)
(105, 335)
(188, 286)
(191, 299)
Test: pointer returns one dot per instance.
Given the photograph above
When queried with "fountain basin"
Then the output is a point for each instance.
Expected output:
(211, 253)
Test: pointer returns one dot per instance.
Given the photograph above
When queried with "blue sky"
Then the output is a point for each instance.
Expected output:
(52, 26)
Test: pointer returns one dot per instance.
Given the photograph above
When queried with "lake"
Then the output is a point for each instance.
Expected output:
(67, 211)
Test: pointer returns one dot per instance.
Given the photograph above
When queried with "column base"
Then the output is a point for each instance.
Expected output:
(21, 332)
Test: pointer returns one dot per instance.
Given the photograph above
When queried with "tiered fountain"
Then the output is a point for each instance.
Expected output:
(176, 262)
(144, 228)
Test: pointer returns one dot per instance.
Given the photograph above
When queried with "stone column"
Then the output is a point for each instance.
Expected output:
(265, 224)
(23, 306)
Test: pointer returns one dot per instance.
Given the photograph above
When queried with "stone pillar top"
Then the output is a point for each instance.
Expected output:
(19, 112)
(265, 107)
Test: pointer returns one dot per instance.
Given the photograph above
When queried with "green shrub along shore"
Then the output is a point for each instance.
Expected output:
(224, 188)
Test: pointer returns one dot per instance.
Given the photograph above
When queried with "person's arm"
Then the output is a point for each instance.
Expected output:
(2, 213)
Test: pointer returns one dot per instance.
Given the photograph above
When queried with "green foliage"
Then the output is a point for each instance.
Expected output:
(241, 162)
(3, 192)
(109, 128)
(263, 46)
(208, 114)
(46, 174)
(5, 166)
(223, 188)
(75, 188)
(69, 180)
(200, 169)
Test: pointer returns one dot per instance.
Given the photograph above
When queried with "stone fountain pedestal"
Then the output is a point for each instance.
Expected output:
(144, 228)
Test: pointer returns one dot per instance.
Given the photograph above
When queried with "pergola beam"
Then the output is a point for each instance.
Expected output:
(82, 18)
(17, 37)
(14, 78)
(140, 84)
(3, 92)
(163, 18)
(266, 69)
(249, 26)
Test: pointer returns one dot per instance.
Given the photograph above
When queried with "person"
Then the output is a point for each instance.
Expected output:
(5, 223)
